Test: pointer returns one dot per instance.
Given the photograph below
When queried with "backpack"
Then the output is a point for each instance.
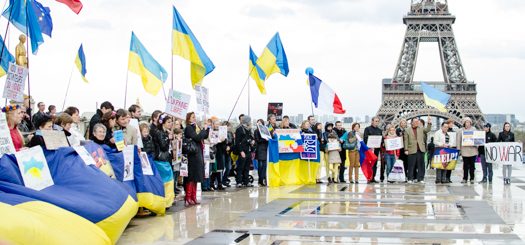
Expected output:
(351, 142)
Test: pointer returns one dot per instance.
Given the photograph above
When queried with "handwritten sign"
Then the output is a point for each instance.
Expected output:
(203, 104)
(6, 143)
(310, 147)
(333, 146)
(84, 154)
(506, 153)
(34, 169)
(129, 158)
(15, 83)
(145, 163)
(54, 139)
(177, 104)
(473, 138)
(394, 144)
(118, 135)
(265, 133)
(374, 141)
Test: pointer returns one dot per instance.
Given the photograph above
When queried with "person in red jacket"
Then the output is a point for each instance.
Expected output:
(391, 156)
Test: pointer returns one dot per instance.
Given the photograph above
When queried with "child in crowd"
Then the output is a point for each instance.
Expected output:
(147, 141)
(334, 158)
(390, 156)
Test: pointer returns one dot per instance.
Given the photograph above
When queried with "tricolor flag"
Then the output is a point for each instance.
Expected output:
(368, 159)
(185, 45)
(256, 73)
(324, 97)
(143, 64)
(273, 59)
(6, 58)
(80, 62)
(74, 5)
(435, 98)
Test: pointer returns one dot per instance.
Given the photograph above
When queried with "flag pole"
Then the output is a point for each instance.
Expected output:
(67, 89)
(311, 98)
(27, 52)
(126, 89)
(248, 95)
(238, 97)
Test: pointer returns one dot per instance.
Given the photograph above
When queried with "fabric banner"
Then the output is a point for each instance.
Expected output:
(290, 140)
(289, 168)
(310, 147)
(506, 153)
(6, 143)
(177, 104)
(15, 83)
(445, 158)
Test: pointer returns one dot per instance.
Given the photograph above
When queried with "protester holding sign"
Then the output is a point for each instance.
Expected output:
(261, 154)
(45, 122)
(334, 158)
(76, 136)
(486, 166)
(506, 136)
(468, 153)
(194, 136)
(130, 132)
(391, 156)
(441, 140)
(162, 158)
(13, 118)
(373, 130)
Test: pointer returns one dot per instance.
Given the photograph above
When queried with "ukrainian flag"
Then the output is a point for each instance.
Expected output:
(289, 168)
(80, 62)
(256, 73)
(273, 59)
(186, 46)
(434, 97)
(143, 64)
(6, 58)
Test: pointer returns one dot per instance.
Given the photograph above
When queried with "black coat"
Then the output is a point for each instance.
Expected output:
(489, 138)
(243, 137)
(506, 137)
(340, 134)
(162, 144)
(148, 145)
(196, 161)
(221, 154)
(371, 131)
(94, 120)
(261, 150)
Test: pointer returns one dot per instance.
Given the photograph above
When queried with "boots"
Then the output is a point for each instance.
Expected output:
(187, 195)
(194, 193)
(219, 181)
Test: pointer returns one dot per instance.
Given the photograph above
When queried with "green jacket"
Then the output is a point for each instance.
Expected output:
(410, 141)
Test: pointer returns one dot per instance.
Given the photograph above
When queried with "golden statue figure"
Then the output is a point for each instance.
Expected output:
(21, 53)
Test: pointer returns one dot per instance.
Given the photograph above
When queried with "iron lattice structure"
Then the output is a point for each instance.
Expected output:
(429, 21)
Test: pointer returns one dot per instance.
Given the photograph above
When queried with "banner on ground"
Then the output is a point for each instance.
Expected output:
(177, 104)
(290, 140)
(6, 143)
(473, 138)
(15, 83)
(276, 109)
(394, 144)
(203, 102)
(34, 169)
(445, 158)
(310, 147)
(374, 141)
(506, 153)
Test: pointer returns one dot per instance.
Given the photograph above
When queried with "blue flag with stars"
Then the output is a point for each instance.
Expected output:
(24, 18)
(43, 15)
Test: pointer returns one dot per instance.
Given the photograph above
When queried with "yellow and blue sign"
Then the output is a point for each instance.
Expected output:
(445, 158)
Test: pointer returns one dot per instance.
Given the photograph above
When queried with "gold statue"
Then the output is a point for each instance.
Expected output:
(21, 53)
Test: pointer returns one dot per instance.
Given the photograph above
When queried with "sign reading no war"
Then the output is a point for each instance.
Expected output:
(504, 153)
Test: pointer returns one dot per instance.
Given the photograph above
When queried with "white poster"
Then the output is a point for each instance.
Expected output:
(223, 133)
(265, 133)
(84, 154)
(34, 169)
(207, 152)
(6, 143)
(184, 167)
(206, 169)
(177, 104)
(374, 141)
(333, 146)
(203, 104)
(473, 138)
(146, 165)
(394, 144)
(129, 153)
(15, 82)
(135, 123)
(452, 139)
(54, 139)
(506, 153)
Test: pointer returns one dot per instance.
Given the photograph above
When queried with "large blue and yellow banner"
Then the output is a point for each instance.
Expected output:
(289, 168)
(445, 158)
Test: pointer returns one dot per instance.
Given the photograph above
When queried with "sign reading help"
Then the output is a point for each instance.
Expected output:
(445, 158)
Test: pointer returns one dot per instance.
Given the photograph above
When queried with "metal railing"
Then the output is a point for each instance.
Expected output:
(415, 87)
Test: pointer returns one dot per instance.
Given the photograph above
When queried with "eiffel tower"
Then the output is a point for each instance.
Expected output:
(429, 21)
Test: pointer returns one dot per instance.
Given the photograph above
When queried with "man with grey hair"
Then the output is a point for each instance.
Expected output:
(374, 130)
(245, 142)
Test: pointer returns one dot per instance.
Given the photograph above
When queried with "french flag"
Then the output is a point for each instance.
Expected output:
(324, 97)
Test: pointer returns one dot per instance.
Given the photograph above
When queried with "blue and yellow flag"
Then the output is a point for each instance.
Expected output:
(6, 58)
(23, 17)
(143, 64)
(434, 97)
(273, 59)
(186, 46)
(256, 73)
(80, 62)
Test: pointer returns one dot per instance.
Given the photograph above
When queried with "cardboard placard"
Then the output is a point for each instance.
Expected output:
(15, 82)
(506, 153)
(276, 109)
(54, 139)
(472, 138)
(177, 104)
(118, 135)
(374, 141)
(6, 143)
(265, 132)
(394, 144)
(84, 154)
(202, 96)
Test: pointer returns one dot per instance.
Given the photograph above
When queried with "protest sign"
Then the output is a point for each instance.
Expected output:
(203, 104)
(472, 138)
(506, 153)
(129, 158)
(177, 104)
(333, 146)
(445, 158)
(184, 167)
(223, 133)
(84, 154)
(394, 144)
(54, 139)
(289, 140)
(135, 124)
(118, 136)
(146, 165)
(374, 141)
(276, 109)
(452, 139)
(15, 82)
(310, 147)
(265, 133)
(34, 169)
(6, 143)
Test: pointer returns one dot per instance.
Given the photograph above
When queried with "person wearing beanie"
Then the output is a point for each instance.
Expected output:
(245, 143)
(468, 153)
(486, 166)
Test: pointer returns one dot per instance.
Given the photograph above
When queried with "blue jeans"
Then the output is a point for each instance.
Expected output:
(390, 160)
(487, 168)
(227, 168)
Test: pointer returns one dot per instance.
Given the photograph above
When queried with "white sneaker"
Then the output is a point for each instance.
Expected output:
(422, 182)
(410, 182)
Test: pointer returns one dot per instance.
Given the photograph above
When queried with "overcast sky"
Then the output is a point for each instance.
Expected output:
(351, 44)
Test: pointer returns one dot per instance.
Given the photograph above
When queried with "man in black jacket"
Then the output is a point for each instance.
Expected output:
(374, 130)
(244, 141)
(486, 166)
(340, 131)
(104, 108)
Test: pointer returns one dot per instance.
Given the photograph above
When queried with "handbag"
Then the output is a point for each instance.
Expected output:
(189, 147)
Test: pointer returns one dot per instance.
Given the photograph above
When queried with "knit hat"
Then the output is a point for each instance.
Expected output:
(246, 120)
(488, 125)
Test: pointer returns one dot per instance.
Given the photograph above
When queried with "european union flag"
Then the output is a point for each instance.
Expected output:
(43, 15)
(26, 21)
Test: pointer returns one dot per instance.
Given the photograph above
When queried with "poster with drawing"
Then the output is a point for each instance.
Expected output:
(84, 154)
(145, 163)
(128, 152)
(34, 169)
